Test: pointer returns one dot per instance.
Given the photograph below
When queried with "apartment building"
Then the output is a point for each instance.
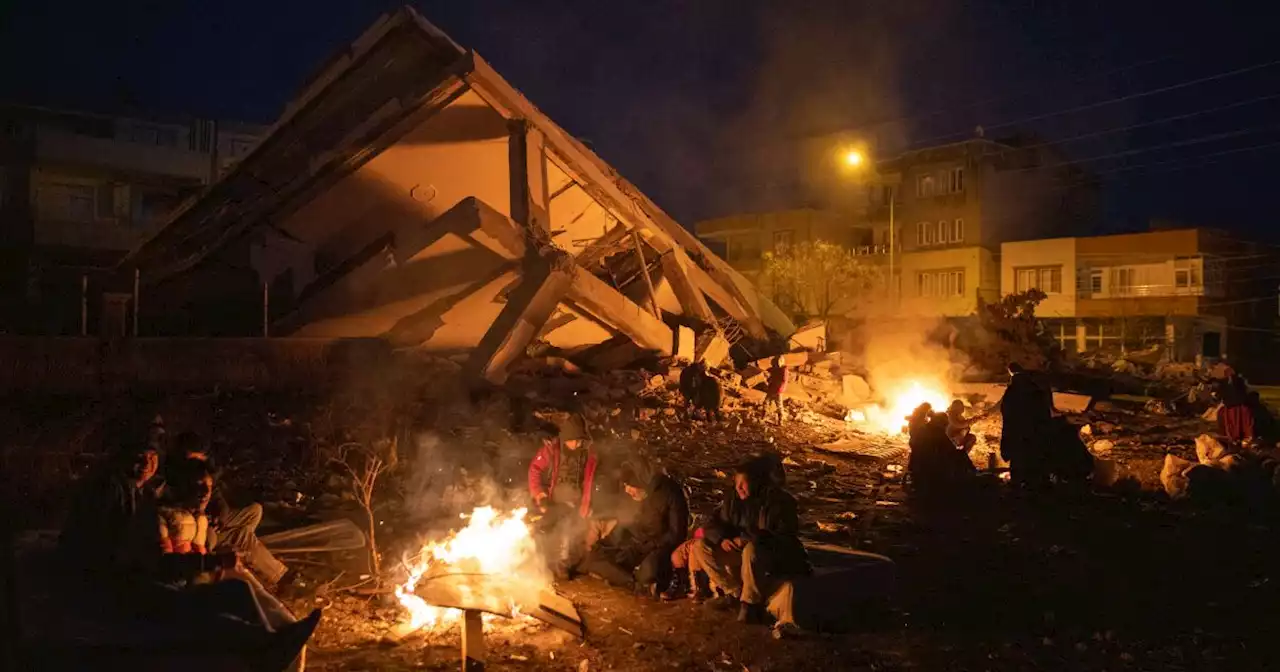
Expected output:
(1197, 292)
(78, 190)
(951, 207)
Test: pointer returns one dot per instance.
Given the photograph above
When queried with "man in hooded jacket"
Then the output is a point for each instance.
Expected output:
(641, 554)
(752, 541)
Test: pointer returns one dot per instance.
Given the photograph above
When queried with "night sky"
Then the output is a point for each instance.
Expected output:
(704, 103)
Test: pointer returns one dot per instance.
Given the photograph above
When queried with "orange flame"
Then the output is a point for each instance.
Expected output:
(900, 400)
(496, 550)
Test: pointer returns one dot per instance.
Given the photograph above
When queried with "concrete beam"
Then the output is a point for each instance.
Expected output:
(675, 268)
(603, 246)
(709, 287)
(610, 307)
(528, 308)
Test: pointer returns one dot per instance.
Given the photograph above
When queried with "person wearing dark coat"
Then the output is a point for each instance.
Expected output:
(1026, 409)
(751, 543)
(640, 553)
(701, 390)
(935, 462)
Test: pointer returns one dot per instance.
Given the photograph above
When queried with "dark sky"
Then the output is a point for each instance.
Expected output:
(705, 104)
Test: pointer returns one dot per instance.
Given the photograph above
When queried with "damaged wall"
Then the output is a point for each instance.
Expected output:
(425, 230)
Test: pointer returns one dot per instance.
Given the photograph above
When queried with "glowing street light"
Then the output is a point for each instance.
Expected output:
(853, 158)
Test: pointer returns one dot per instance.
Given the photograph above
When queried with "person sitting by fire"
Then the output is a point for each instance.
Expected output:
(561, 481)
(638, 554)
(234, 528)
(114, 553)
(751, 543)
(935, 462)
(775, 385)
(1026, 409)
(958, 427)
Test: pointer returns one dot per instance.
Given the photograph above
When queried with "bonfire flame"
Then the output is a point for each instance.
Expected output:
(492, 563)
(900, 400)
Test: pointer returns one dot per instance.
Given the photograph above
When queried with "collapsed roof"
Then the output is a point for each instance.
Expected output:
(410, 193)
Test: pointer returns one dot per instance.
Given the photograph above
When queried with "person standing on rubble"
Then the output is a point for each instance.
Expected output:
(751, 543)
(1026, 409)
(775, 385)
(561, 481)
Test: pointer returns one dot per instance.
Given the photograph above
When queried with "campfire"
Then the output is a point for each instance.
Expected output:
(491, 565)
(900, 399)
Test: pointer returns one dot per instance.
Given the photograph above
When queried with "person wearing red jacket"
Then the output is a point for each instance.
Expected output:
(561, 480)
(775, 385)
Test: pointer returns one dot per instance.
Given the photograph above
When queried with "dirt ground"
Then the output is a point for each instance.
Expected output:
(1119, 579)
(1116, 580)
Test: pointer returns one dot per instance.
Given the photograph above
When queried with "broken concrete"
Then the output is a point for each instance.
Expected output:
(422, 184)
(713, 350)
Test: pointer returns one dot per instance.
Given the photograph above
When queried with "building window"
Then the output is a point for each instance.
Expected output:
(1047, 279)
(150, 134)
(924, 233)
(957, 231)
(1095, 281)
(940, 284)
(926, 185)
(1122, 281)
(955, 182)
(64, 202)
(782, 240)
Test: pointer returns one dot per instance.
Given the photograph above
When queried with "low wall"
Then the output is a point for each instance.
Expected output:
(93, 366)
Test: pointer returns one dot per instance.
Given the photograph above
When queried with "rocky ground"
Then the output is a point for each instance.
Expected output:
(1119, 579)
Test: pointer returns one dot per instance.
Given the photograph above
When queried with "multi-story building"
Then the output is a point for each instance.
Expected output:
(1196, 292)
(951, 207)
(78, 191)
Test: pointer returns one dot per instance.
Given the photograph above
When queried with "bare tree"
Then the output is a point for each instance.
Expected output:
(820, 279)
(363, 465)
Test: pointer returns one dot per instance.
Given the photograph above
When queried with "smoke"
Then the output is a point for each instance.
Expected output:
(916, 350)
(829, 73)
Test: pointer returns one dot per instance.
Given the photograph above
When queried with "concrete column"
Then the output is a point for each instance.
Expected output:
(528, 308)
(530, 202)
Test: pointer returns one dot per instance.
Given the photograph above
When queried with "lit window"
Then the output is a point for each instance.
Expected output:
(1122, 280)
(1047, 279)
(940, 284)
(1095, 281)
(956, 182)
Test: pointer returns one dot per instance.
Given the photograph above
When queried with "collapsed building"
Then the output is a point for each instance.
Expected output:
(409, 193)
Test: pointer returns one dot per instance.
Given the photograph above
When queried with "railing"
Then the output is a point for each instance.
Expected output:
(869, 250)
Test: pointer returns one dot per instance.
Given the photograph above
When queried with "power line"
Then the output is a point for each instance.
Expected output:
(1119, 99)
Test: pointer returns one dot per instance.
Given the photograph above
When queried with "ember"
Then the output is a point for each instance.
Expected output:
(492, 565)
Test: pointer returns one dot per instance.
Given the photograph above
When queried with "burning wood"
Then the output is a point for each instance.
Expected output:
(491, 567)
(900, 399)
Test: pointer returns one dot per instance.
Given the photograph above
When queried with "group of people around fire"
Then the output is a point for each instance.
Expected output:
(733, 559)
(153, 533)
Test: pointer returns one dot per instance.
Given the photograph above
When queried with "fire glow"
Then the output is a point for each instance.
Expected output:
(492, 563)
(900, 400)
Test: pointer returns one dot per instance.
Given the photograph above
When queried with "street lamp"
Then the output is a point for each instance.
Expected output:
(854, 158)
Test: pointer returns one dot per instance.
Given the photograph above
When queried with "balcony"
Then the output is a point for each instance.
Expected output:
(62, 147)
(870, 250)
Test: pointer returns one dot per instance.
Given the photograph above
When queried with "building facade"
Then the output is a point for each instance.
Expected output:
(1192, 293)
(951, 207)
(79, 190)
